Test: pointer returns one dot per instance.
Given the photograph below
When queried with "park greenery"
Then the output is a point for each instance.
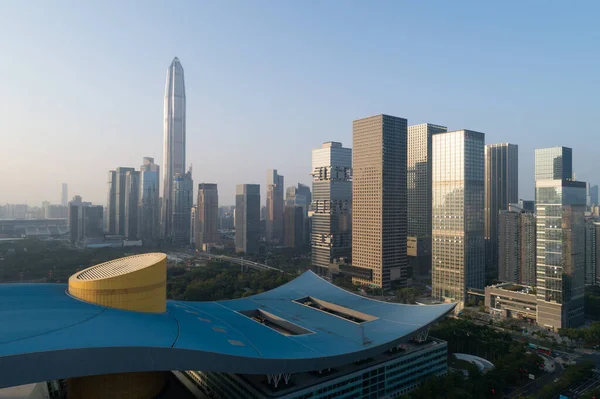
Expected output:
(512, 363)
(216, 281)
(590, 336)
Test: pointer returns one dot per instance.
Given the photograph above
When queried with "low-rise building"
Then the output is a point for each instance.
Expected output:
(511, 301)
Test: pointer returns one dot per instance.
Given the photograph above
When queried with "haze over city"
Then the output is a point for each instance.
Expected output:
(83, 84)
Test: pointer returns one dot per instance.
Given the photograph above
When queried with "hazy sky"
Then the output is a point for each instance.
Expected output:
(82, 83)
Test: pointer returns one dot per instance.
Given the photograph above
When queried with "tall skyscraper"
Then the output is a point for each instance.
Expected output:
(207, 216)
(64, 195)
(379, 198)
(293, 224)
(247, 218)
(149, 210)
(132, 196)
(331, 236)
(501, 189)
(590, 251)
(419, 196)
(458, 245)
(517, 246)
(85, 220)
(183, 200)
(174, 143)
(560, 208)
(275, 204)
(594, 195)
(554, 163)
(117, 204)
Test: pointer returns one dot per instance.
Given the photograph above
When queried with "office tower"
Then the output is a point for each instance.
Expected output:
(594, 195)
(53, 211)
(111, 202)
(458, 245)
(64, 195)
(597, 255)
(560, 207)
(516, 245)
(331, 236)
(379, 198)
(148, 204)
(207, 230)
(590, 251)
(418, 172)
(527, 205)
(247, 218)
(85, 221)
(132, 196)
(116, 204)
(304, 190)
(501, 189)
(174, 143)
(274, 206)
(226, 221)
(183, 200)
(554, 163)
(193, 224)
(293, 224)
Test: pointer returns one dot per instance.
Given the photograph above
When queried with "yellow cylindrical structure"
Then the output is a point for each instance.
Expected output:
(116, 386)
(135, 283)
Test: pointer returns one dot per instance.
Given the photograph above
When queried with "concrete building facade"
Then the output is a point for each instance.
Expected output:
(379, 225)
(517, 246)
(275, 206)
(207, 216)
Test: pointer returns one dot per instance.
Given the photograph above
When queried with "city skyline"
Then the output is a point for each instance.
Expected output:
(130, 90)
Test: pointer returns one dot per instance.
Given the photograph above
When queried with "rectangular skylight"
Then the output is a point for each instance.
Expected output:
(336, 310)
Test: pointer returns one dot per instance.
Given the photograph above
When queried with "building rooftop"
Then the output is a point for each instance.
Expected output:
(304, 325)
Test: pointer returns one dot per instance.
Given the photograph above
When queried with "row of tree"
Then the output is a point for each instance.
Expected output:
(512, 363)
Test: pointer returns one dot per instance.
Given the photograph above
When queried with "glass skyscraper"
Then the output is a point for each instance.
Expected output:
(331, 236)
(554, 163)
(174, 143)
(247, 218)
(149, 210)
(560, 208)
(458, 247)
(419, 196)
(501, 189)
(275, 206)
(183, 193)
(379, 198)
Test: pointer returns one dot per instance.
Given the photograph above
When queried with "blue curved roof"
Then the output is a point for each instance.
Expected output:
(47, 334)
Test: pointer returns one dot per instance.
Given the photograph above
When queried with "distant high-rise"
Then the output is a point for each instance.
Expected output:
(419, 196)
(116, 201)
(379, 198)
(554, 163)
(516, 245)
(85, 220)
(275, 204)
(207, 216)
(294, 226)
(64, 195)
(560, 208)
(594, 195)
(174, 144)
(247, 218)
(149, 210)
(331, 236)
(458, 245)
(132, 196)
(183, 200)
(590, 250)
(193, 224)
(501, 189)
(528, 205)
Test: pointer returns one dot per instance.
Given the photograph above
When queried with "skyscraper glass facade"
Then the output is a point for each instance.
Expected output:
(458, 247)
(554, 163)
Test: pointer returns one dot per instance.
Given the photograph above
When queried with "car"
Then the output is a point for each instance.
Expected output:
(556, 380)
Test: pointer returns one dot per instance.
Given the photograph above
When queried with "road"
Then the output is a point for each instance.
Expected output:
(238, 261)
(581, 387)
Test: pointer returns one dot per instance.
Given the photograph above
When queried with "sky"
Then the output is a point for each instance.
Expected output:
(82, 83)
